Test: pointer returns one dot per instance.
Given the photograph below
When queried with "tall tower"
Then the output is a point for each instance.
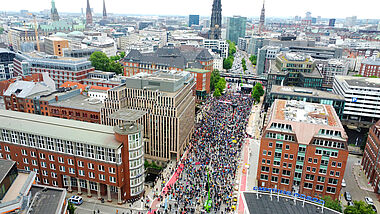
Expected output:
(88, 14)
(262, 18)
(216, 20)
(104, 10)
(53, 12)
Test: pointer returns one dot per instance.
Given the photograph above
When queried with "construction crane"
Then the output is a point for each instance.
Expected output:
(36, 31)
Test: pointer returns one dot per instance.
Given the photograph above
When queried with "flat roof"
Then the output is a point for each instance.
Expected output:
(5, 167)
(15, 188)
(285, 205)
(80, 102)
(50, 200)
(360, 81)
(197, 70)
(84, 132)
(305, 92)
(127, 115)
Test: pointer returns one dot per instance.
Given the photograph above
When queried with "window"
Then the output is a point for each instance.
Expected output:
(284, 164)
(53, 175)
(274, 179)
(309, 177)
(324, 162)
(333, 163)
(43, 164)
(286, 156)
(80, 149)
(265, 169)
(25, 160)
(270, 144)
(101, 168)
(308, 185)
(339, 164)
(46, 181)
(34, 162)
(8, 156)
(330, 189)
(80, 164)
(61, 168)
(322, 171)
(308, 168)
(333, 181)
(91, 175)
(55, 183)
(321, 179)
(44, 173)
(319, 187)
(69, 147)
(276, 163)
(100, 153)
(297, 175)
(314, 169)
(275, 171)
(50, 143)
(52, 166)
(111, 170)
(90, 165)
(301, 149)
(299, 167)
(315, 160)
(268, 161)
(291, 157)
(51, 157)
(287, 147)
(42, 155)
(71, 171)
(269, 153)
(337, 174)
(277, 155)
(264, 177)
(286, 172)
(278, 145)
(41, 142)
(60, 145)
(263, 161)
(310, 160)
(112, 179)
(289, 165)
(284, 181)
(332, 173)
(61, 160)
(300, 158)
(90, 151)
(264, 152)
(24, 152)
(102, 177)
(81, 172)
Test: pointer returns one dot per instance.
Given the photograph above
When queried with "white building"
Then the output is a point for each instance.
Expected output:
(362, 97)
(217, 46)
(106, 44)
(332, 68)
(97, 94)
(218, 61)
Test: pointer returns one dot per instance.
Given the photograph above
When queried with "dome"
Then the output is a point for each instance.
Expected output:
(60, 34)
(76, 34)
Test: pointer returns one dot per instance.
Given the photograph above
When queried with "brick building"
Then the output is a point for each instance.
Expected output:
(371, 157)
(303, 149)
(167, 59)
(202, 79)
(370, 67)
(93, 159)
(55, 45)
(30, 78)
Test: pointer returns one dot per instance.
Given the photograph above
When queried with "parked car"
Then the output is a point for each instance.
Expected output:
(347, 196)
(374, 208)
(344, 183)
(350, 203)
(368, 200)
(77, 200)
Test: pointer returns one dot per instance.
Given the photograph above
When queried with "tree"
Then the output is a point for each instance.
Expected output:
(360, 207)
(99, 60)
(231, 48)
(115, 58)
(71, 208)
(1, 30)
(217, 93)
(214, 79)
(227, 63)
(332, 204)
(122, 54)
(256, 95)
(259, 87)
(253, 59)
(221, 85)
(115, 67)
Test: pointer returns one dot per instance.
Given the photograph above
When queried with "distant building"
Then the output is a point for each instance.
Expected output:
(264, 57)
(370, 67)
(217, 46)
(167, 59)
(55, 45)
(216, 20)
(318, 52)
(106, 44)
(4, 84)
(168, 98)
(6, 64)
(236, 26)
(88, 14)
(303, 149)
(255, 43)
(371, 156)
(307, 95)
(20, 193)
(193, 20)
(351, 21)
(243, 43)
(262, 19)
(293, 69)
(93, 159)
(54, 12)
(202, 79)
(362, 96)
(332, 22)
(330, 68)
(19, 36)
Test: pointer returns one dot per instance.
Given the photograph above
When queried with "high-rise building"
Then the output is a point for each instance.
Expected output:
(303, 149)
(351, 21)
(371, 157)
(216, 20)
(332, 22)
(262, 18)
(362, 96)
(104, 10)
(264, 57)
(93, 158)
(55, 45)
(330, 68)
(236, 26)
(217, 46)
(88, 14)
(193, 20)
(168, 98)
(6, 63)
(54, 12)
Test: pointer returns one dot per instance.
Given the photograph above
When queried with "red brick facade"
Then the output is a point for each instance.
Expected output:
(368, 70)
(371, 156)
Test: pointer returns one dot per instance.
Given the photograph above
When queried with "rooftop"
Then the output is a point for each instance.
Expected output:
(127, 115)
(89, 133)
(52, 38)
(305, 92)
(360, 81)
(47, 199)
(5, 166)
(197, 70)
(285, 205)
(305, 118)
(24, 89)
(371, 61)
(80, 102)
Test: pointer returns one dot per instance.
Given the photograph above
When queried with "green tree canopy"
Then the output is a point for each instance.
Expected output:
(217, 93)
(332, 204)
(259, 87)
(214, 79)
(256, 95)
(71, 208)
(1, 30)
(115, 67)
(253, 59)
(231, 48)
(99, 60)
(360, 207)
(115, 58)
(227, 63)
(122, 54)
(221, 85)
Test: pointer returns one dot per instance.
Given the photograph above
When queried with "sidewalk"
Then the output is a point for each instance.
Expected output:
(361, 178)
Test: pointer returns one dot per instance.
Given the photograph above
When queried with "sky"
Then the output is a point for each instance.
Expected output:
(363, 9)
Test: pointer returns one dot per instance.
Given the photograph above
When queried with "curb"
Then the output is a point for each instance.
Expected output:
(356, 180)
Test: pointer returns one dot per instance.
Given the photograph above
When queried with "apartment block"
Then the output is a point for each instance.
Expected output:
(55, 45)
(370, 67)
(168, 98)
(371, 157)
(93, 159)
(303, 149)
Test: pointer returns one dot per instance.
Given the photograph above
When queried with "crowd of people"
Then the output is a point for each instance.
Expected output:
(215, 149)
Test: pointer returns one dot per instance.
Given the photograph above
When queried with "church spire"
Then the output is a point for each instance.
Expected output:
(104, 10)
(53, 12)
(262, 18)
(88, 14)
(216, 20)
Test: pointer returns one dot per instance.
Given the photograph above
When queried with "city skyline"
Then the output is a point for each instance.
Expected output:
(274, 8)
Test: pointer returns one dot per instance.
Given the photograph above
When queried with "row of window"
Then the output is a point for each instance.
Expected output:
(280, 136)
(328, 143)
